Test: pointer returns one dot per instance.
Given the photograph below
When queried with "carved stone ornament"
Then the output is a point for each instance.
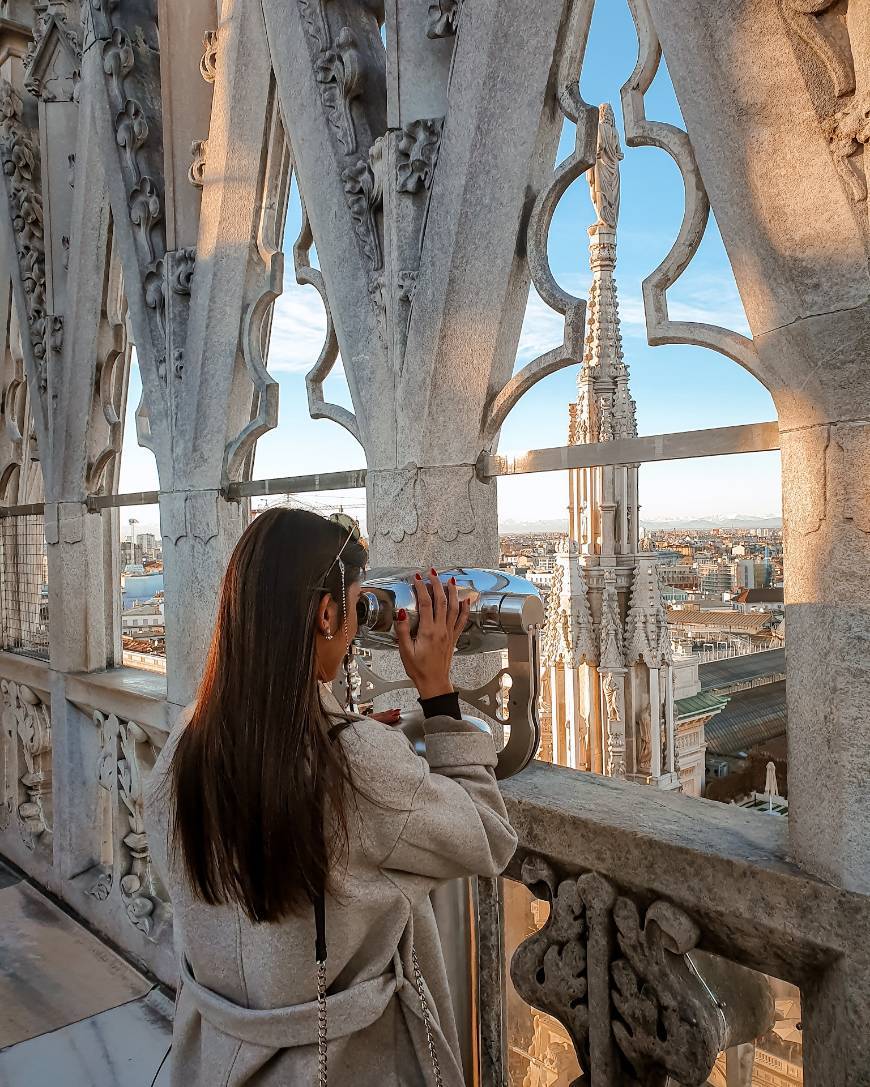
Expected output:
(646, 626)
(53, 62)
(836, 47)
(208, 62)
(627, 982)
(442, 18)
(127, 755)
(407, 285)
(339, 71)
(196, 173)
(26, 722)
(417, 153)
(610, 627)
(363, 197)
(19, 155)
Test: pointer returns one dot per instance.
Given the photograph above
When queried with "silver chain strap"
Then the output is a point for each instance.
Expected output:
(321, 1021)
(424, 1007)
(321, 1024)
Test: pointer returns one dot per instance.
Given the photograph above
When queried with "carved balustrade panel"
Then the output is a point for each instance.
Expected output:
(625, 976)
(25, 767)
(125, 878)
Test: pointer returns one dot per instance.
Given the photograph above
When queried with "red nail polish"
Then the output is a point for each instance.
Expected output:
(401, 615)
(453, 581)
(432, 571)
(419, 577)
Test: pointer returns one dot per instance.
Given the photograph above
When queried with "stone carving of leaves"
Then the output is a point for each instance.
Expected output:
(199, 150)
(339, 71)
(442, 18)
(139, 907)
(20, 163)
(182, 269)
(102, 888)
(154, 286)
(145, 211)
(360, 189)
(417, 154)
(407, 283)
(208, 63)
(118, 58)
(131, 131)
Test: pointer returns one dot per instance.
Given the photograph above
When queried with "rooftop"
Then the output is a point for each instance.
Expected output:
(750, 718)
(742, 669)
(718, 619)
(760, 596)
(698, 705)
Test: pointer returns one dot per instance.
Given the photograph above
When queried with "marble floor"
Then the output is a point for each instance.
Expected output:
(72, 1012)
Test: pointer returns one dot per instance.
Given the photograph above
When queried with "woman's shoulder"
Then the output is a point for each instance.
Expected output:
(382, 756)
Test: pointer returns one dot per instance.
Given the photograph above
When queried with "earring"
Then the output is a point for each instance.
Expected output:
(328, 635)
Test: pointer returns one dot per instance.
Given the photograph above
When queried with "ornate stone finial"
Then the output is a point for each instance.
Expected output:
(604, 181)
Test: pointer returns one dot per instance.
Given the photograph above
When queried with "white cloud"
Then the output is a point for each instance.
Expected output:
(298, 330)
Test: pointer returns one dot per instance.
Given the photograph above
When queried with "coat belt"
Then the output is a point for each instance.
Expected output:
(347, 1012)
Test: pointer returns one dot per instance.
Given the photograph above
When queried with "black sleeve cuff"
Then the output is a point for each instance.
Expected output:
(442, 705)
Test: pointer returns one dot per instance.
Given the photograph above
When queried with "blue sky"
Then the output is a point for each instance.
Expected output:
(676, 388)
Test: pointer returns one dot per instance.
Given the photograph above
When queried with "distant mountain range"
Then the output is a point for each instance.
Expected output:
(690, 524)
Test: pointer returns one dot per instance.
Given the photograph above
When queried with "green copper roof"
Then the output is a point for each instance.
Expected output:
(697, 705)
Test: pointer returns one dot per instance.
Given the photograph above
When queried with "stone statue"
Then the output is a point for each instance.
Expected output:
(611, 697)
(645, 727)
(604, 175)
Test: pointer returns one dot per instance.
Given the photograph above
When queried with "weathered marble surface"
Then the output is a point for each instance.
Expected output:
(122, 1045)
(54, 972)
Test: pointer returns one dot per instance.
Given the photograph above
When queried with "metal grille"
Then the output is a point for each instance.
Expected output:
(24, 587)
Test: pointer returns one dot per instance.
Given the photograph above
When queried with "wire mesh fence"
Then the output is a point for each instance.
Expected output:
(24, 585)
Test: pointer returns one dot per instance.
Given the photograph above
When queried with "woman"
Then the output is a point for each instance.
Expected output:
(270, 810)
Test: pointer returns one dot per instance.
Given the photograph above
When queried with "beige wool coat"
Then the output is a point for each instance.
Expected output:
(246, 1011)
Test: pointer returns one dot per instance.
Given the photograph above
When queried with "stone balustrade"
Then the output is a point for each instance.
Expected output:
(79, 831)
(658, 905)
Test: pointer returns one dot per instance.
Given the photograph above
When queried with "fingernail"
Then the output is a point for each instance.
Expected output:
(453, 581)
(419, 577)
(401, 615)
(432, 571)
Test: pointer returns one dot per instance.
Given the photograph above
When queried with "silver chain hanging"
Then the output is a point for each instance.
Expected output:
(424, 1007)
(321, 1024)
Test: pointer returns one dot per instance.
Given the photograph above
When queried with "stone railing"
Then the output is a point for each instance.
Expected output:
(665, 915)
(656, 915)
(80, 832)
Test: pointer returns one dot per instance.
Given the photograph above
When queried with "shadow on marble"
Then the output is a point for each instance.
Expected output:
(53, 972)
(124, 1045)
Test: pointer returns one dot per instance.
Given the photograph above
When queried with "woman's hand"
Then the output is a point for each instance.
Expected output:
(427, 656)
(387, 717)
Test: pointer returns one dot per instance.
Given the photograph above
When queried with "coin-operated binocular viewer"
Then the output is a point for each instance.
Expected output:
(506, 613)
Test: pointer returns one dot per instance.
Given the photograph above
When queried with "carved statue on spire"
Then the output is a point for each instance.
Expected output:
(604, 175)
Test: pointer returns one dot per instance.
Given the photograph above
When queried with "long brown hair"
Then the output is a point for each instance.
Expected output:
(254, 770)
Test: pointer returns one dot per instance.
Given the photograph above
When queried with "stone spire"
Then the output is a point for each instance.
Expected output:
(606, 644)
(605, 407)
